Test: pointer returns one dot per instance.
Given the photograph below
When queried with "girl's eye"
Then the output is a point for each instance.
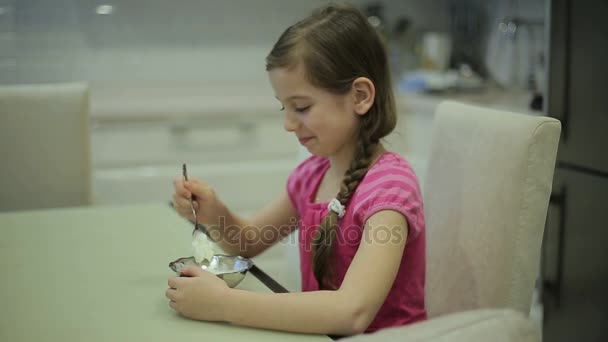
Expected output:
(302, 109)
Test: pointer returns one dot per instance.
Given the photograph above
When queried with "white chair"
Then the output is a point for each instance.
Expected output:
(44, 146)
(495, 325)
(486, 196)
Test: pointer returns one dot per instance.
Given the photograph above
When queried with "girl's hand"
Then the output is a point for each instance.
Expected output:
(207, 204)
(198, 295)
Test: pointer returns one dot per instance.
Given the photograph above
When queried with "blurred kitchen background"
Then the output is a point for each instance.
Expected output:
(184, 81)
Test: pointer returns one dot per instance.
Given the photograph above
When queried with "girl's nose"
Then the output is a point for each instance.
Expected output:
(291, 122)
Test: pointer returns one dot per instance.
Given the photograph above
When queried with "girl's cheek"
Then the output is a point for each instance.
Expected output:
(304, 120)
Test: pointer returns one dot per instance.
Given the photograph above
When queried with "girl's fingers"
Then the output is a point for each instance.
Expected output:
(175, 282)
(171, 294)
(178, 184)
(197, 187)
(181, 202)
(201, 189)
(183, 210)
(173, 305)
(184, 204)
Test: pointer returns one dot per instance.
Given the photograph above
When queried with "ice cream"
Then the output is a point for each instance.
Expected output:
(203, 248)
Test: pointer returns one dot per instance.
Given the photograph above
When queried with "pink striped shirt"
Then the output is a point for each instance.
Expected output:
(390, 184)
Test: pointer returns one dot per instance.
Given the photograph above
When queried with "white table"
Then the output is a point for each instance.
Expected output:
(99, 274)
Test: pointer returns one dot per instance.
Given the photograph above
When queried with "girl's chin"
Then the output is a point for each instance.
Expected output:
(317, 153)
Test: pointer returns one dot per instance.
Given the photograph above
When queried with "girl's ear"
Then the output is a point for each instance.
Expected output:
(364, 95)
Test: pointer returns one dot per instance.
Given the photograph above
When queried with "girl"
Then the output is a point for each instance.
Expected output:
(355, 203)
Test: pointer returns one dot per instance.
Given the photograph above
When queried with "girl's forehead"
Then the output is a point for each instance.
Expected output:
(290, 81)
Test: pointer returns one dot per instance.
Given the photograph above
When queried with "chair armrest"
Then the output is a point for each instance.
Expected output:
(496, 325)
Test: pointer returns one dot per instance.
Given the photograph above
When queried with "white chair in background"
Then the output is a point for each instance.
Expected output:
(44, 146)
(486, 196)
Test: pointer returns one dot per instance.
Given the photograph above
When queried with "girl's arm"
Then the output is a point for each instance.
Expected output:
(346, 311)
(236, 235)
(250, 237)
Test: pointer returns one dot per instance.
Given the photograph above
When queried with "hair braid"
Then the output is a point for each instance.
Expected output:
(326, 234)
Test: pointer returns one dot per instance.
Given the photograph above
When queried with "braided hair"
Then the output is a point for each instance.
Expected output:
(326, 233)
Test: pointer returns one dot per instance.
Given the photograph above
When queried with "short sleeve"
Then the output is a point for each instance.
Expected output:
(394, 188)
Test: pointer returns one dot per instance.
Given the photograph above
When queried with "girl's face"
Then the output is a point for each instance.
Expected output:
(323, 122)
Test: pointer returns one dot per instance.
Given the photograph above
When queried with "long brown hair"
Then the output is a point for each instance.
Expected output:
(336, 45)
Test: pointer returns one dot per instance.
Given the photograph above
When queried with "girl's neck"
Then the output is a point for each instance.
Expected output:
(341, 162)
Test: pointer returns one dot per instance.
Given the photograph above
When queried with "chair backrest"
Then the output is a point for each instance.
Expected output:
(44, 146)
(486, 197)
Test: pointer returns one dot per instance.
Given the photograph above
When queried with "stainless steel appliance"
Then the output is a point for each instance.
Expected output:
(575, 251)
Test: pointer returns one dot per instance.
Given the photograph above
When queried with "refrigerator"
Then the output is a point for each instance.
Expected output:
(574, 266)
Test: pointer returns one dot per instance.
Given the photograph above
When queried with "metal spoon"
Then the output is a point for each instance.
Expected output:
(193, 198)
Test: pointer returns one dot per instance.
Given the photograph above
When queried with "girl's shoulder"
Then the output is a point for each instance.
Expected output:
(310, 166)
(391, 163)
